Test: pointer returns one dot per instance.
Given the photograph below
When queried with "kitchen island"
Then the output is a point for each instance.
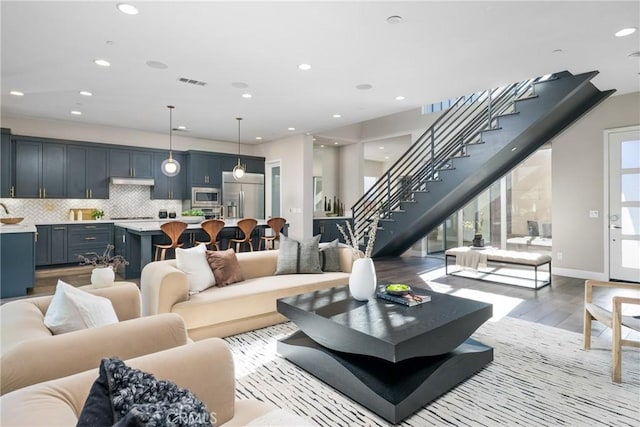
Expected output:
(135, 239)
(17, 258)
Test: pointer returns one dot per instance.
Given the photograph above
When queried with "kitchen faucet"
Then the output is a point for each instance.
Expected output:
(5, 208)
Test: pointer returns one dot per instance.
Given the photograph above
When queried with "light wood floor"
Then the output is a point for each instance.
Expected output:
(559, 305)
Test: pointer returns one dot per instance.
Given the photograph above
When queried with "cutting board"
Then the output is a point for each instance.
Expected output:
(86, 213)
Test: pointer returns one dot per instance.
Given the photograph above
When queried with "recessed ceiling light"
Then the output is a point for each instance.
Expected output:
(556, 51)
(85, 93)
(335, 142)
(157, 65)
(182, 128)
(626, 32)
(247, 95)
(386, 157)
(291, 128)
(399, 98)
(240, 85)
(76, 112)
(16, 93)
(321, 145)
(337, 116)
(364, 86)
(380, 148)
(304, 67)
(394, 19)
(102, 62)
(127, 9)
(258, 138)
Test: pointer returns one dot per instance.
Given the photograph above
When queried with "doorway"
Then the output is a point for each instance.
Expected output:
(272, 189)
(623, 147)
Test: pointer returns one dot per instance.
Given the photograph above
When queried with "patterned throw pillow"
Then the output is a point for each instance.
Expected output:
(130, 397)
(298, 257)
(225, 267)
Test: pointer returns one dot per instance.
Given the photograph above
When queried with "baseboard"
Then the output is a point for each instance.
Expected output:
(579, 274)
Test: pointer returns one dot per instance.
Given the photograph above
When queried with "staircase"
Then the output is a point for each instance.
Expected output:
(471, 145)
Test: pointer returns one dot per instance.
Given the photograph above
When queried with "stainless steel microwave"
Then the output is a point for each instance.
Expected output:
(205, 197)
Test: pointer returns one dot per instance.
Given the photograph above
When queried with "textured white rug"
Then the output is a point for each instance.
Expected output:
(540, 376)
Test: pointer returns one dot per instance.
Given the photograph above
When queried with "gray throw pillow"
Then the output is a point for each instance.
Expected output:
(330, 256)
(298, 257)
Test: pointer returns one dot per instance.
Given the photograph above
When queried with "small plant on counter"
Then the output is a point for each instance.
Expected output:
(97, 214)
(104, 260)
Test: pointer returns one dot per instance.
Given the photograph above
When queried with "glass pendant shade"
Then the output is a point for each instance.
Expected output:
(239, 169)
(170, 166)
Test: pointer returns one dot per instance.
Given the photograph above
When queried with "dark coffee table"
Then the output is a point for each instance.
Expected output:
(390, 358)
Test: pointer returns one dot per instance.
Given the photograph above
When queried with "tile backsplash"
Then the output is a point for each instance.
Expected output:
(124, 200)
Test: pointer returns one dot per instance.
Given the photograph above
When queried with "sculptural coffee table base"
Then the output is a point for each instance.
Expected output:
(389, 358)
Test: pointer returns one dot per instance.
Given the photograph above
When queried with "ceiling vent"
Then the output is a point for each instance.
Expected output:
(191, 81)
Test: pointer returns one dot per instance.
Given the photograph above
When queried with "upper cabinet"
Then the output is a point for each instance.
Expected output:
(253, 164)
(39, 169)
(169, 187)
(6, 165)
(87, 172)
(130, 163)
(204, 170)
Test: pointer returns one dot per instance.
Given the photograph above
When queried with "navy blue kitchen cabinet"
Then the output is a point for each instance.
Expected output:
(253, 164)
(17, 257)
(39, 169)
(327, 227)
(204, 170)
(6, 164)
(83, 239)
(130, 163)
(169, 187)
(51, 245)
(87, 172)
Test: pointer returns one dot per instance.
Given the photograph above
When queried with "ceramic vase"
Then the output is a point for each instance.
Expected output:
(101, 277)
(363, 281)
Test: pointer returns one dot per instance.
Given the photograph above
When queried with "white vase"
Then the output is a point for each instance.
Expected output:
(102, 277)
(363, 281)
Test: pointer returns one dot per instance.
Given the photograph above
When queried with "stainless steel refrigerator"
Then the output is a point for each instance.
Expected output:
(247, 194)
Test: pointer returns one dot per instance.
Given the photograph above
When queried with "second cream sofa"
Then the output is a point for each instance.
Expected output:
(240, 307)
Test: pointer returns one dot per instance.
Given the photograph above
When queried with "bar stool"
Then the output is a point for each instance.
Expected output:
(212, 227)
(173, 230)
(276, 224)
(246, 225)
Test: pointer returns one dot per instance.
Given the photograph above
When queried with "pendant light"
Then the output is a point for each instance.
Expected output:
(170, 166)
(239, 169)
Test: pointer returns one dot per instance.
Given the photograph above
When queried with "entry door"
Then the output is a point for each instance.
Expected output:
(272, 190)
(624, 204)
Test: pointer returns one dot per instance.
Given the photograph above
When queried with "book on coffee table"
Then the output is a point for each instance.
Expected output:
(408, 299)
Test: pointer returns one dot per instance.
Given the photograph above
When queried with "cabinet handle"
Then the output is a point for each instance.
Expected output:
(86, 193)
(134, 171)
(124, 238)
(90, 238)
(89, 226)
(91, 194)
(13, 191)
(36, 237)
(44, 193)
(40, 193)
(59, 228)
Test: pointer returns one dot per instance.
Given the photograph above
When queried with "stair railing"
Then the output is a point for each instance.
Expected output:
(458, 127)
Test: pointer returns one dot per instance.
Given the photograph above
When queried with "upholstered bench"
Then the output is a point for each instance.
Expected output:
(476, 259)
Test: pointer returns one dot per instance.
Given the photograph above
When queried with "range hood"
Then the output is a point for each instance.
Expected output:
(132, 181)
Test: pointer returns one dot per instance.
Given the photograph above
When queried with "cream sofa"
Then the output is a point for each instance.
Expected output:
(31, 354)
(236, 308)
(205, 368)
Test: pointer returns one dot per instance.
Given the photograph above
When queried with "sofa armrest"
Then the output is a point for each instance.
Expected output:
(206, 368)
(56, 356)
(162, 286)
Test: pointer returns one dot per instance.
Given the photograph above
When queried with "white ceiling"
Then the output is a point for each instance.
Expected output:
(440, 50)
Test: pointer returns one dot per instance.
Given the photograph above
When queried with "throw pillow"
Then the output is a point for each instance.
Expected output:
(225, 267)
(72, 309)
(330, 256)
(125, 396)
(298, 257)
(193, 262)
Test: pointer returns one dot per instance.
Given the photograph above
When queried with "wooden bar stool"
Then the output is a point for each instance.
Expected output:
(276, 224)
(246, 226)
(212, 227)
(174, 230)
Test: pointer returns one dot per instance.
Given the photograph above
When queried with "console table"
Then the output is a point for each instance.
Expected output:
(390, 358)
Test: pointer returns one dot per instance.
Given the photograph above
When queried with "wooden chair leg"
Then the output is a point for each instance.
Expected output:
(250, 245)
(616, 350)
(587, 329)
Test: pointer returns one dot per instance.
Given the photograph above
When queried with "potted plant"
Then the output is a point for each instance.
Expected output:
(105, 266)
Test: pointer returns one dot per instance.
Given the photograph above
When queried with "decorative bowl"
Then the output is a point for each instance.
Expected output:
(398, 289)
(15, 220)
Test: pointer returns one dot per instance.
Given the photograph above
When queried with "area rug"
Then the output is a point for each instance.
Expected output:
(540, 376)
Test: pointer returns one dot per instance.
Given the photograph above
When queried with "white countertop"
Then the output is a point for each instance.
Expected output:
(154, 225)
(17, 228)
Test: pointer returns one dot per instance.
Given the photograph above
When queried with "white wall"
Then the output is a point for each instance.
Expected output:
(112, 135)
(372, 168)
(578, 186)
(296, 178)
(351, 174)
